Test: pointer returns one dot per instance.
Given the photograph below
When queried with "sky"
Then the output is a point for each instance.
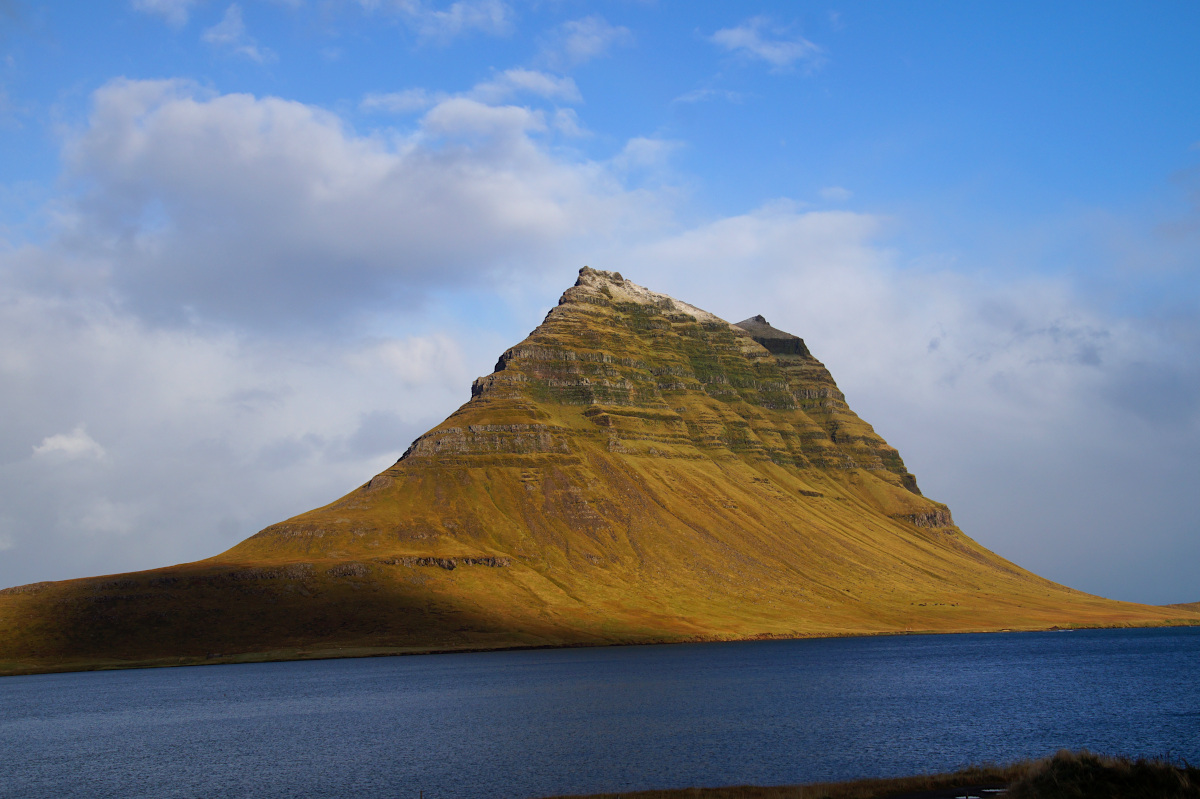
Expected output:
(249, 251)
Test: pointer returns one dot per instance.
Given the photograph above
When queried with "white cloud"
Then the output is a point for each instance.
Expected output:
(464, 117)
(76, 445)
(836, 194)
(642, 152)
(267, 211)
(581, 40)
(486, 16)
(704, 95)
(402, 102)
(210, 435)
(527, 81)
(230, 34)
(503, 87)
(566, 122)
(759, 38)
(415, 361)
(174, 12)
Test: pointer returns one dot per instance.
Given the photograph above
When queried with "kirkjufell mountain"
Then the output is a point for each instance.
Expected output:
(636, 470)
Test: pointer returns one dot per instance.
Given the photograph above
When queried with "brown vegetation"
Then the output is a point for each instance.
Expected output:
(1066, 775)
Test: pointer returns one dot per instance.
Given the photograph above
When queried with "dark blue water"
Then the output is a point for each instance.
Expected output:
(524, 724)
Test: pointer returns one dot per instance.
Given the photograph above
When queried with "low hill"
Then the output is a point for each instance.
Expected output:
(636, 470)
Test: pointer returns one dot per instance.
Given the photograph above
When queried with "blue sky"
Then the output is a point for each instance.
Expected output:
(249, 250)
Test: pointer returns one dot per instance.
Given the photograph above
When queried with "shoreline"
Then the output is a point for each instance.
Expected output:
(341, 653)
(1060, 776)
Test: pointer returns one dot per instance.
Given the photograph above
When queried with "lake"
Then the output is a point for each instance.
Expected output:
(534, 723)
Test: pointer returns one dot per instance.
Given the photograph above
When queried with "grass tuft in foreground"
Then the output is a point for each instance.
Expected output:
(1066, 775)
(1084, 775)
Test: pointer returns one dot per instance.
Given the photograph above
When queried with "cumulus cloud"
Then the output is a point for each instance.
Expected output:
(230, 35)
(759, 38)
(264, 211)
(581, 40)
(76, 445)
(174, 12)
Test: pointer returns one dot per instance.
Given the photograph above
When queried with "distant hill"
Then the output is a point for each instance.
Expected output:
(636, 470)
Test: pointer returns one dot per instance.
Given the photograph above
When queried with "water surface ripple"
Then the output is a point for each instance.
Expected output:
(525, 724)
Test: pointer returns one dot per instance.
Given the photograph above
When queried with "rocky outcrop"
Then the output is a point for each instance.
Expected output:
(449, 564)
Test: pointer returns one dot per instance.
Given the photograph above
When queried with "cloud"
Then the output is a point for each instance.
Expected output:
(513, 82)
(173, 12)
(704, 95)
(505, 86)
(487, 16)
(491, 17)
(643, 152)
(402, 102)
(262, 211)
(76, 445)
(230, 34)
(759, 38)
(836, 194)
(566, 122)
(581, 40)
(208, 435)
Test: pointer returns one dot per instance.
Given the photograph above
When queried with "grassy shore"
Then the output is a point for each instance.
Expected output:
(1066, 775)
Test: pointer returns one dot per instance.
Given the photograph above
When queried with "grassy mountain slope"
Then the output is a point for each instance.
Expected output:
(636, 470)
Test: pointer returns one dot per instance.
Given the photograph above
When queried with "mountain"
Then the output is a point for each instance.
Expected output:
(636, 470)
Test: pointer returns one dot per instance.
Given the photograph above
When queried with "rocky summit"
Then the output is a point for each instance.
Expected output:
(636, 470)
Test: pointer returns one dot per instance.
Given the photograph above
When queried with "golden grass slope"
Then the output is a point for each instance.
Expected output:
(636, 470)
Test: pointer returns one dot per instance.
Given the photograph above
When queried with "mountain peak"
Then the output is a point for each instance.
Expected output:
(776, 341)
(613, 287)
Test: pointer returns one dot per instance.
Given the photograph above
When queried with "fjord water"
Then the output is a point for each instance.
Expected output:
(534, 723)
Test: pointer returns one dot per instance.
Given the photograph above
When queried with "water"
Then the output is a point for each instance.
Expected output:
(525, 724)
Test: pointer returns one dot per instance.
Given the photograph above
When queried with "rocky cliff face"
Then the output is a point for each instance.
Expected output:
(636, 470)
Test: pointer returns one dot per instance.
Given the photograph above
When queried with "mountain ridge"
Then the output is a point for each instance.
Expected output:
(636, 470)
